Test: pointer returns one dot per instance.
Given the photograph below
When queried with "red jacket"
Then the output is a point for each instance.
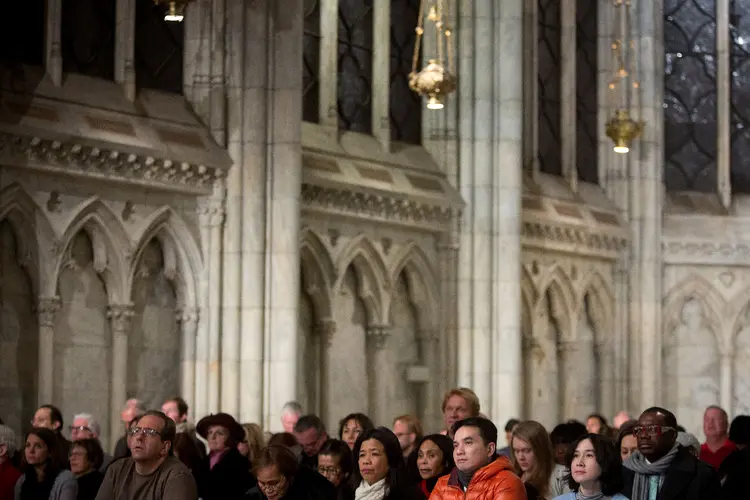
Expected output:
(8, 478)
(496, 481)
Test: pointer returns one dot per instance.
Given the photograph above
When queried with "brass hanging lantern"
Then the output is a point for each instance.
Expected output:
(622, 128)
(175, 10)
(437, 79)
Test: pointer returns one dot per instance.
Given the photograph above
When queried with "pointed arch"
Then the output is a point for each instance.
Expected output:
(560, 289)
(696, 288)
(112, 248)
(36, 237)
(739, 309)
(372, 277)
(183, 263)
(318, 272)
(598, 290)
(420, 276)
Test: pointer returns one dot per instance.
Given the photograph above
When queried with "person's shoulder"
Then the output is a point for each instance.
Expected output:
(173, 465)
(619, 496)
(572, 496)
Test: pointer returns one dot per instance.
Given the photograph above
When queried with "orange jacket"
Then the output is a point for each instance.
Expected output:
(496, 481)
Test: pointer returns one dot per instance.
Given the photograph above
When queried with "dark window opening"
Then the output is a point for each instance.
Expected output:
(355, 65)
(311, 63)
(405, 106)
(88, 37)
(22, 32)
(739, 31)
(158, 49)
(587, 105)
(549, 74)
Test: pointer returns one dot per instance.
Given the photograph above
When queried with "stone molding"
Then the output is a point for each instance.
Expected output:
(553, 236)
(705, 252)
(389, 208)
(120, 317)
(326, 329)
(47, 309)
(72, 157)
(377, 336)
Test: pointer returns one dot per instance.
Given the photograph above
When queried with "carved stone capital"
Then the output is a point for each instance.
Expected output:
(120, 317)
(377, 336)
(47, 310)
(428, 335)
(326, 329)
(211, 213)
(188, 318)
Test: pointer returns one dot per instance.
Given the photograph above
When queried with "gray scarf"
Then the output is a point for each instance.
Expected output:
(595, 496)
(638, 464)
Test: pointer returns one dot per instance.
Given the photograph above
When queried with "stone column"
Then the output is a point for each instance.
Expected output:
(125, 47)
(647, 157)
(727, 391)
(188, 321)
(52, 50)
(377, 364)
(381, 71)
(211, 220)
(120, 318)
(47, 309)
(578, 379)
(607, 403)
(432, 391)
(282, 202)
(448, 248)
(491, 84)
(326, 330)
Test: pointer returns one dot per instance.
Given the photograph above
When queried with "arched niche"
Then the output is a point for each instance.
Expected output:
(19, 339)
(82, 348)
(364, 260)
(741, 368)
(154, 342)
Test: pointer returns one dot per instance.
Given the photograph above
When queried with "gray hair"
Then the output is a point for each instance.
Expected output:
(92, 423)
(292, 407)
(687, 440)
(8, 438)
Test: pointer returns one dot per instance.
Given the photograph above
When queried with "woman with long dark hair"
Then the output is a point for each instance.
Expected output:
(434, 459)
(595, 469)
(44, 476)
(352, 426)
(379, 469)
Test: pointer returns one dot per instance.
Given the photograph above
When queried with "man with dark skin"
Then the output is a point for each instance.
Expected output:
(662, 469)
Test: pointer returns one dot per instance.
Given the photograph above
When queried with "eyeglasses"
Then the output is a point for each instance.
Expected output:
(329, 471)
(144, 431)
(651, 430)
(79, 428)
(272, 485)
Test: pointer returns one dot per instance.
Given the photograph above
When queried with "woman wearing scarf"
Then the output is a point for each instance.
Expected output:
(663, 470)
(595, 469)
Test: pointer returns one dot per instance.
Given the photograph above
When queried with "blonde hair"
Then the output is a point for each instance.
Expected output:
(536, 435)
(412, 423)
(255, 440)
(468, 395)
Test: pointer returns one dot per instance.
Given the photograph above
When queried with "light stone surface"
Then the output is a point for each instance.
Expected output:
(294, 276)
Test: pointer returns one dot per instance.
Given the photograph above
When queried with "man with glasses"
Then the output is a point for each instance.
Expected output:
(152, 472)
(661, 468)
(85, 426)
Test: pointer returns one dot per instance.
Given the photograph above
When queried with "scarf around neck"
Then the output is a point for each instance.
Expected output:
(595, 496)
(366, 491)
(643, 470)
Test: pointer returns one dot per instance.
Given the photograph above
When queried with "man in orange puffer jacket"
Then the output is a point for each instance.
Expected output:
(479, 474)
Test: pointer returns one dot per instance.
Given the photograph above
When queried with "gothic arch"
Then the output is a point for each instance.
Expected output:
(36, 237)
(183, 264)
(110, 242)
(597, 288)
(420, 276)
(696, 288)
(739, 309)
(318, 272)
(528, 291)
(563, 300)
(371, 273)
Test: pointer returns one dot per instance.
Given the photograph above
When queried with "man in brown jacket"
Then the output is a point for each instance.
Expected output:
(479, 474)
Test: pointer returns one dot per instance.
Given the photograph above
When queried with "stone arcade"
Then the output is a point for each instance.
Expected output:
(222, 238)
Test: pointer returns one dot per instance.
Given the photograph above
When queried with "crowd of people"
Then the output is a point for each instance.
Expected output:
(162, 456)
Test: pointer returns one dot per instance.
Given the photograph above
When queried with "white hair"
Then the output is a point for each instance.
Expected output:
(687, 440)
(92, 423)
(8, 438)
(292, 407)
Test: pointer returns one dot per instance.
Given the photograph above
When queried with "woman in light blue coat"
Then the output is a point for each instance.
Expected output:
(595, 469)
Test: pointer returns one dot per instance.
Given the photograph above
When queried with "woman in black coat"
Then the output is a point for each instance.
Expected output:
(224, 473)
(280, 477)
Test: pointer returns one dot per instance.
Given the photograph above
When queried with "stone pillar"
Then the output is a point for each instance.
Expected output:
(211, 220)
(120, 318)
(329, 64)
(491, 84)
(607, 403)
(326, 330)
(432, 390)
(188, 321)
(52, 50)
(448, 248)
(647, 158)
(578, 379)
(282, 202)
(727, 391)
(378, 367)
(125, 47)
(47, 309)
(381, 71)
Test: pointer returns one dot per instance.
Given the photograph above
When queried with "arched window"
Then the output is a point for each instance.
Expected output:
(739, 31)
(405, 106)
(22, 32)
(88, 37)
(548, 81)
(158, 48)
(587, 105)
(355, 65)
(311, 63)
(690, 112)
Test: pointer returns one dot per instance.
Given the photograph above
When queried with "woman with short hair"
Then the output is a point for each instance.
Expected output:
(595, 470)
